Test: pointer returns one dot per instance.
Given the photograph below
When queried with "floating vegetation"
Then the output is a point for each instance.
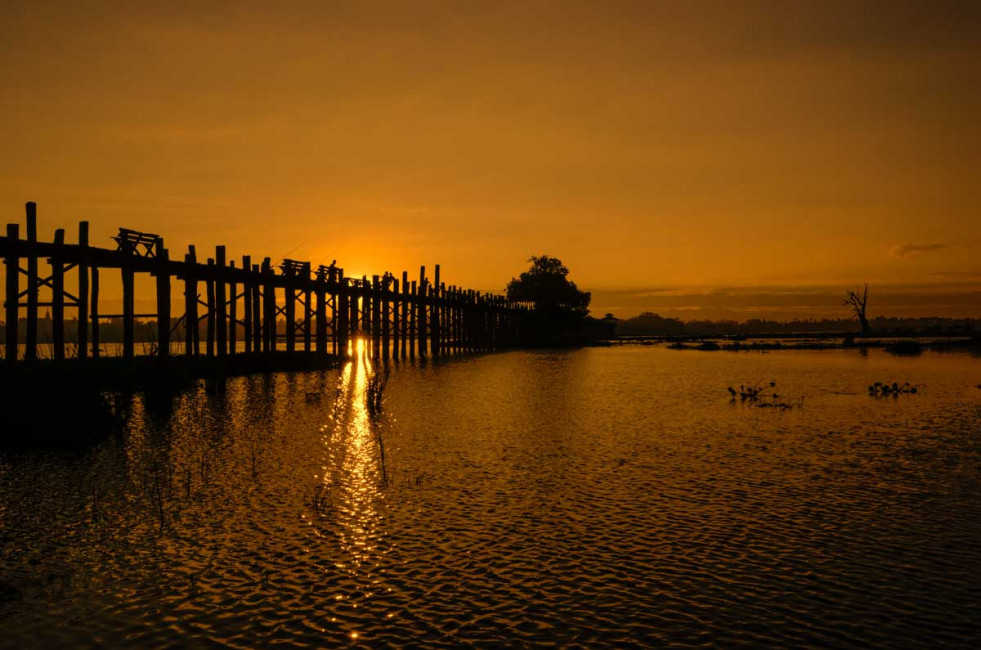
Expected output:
(879, 389)
(762, 395)
(322, 500)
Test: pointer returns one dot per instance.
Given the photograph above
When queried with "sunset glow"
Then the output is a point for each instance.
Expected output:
(683, 146)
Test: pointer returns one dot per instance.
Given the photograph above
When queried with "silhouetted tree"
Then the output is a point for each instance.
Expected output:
(547, 286)
(858, 303)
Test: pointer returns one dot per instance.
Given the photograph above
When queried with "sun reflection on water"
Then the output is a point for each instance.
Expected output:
(353, 474)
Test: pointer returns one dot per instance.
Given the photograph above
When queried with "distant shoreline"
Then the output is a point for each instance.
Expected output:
(895, 343)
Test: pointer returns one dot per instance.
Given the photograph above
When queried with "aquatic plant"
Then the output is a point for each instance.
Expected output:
(375, 390)
(322, 500)
(759, 395)
(879, 389)
(751, 393)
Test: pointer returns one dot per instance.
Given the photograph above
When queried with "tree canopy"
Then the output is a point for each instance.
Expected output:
(547, 286)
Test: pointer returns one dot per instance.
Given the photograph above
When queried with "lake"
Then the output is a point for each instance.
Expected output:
(602, 496)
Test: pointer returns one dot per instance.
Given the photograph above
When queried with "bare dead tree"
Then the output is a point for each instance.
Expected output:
(857, 303)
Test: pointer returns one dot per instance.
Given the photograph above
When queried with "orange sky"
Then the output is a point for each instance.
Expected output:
(653, 146)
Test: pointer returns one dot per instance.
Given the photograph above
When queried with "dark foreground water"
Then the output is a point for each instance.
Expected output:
(594, 497)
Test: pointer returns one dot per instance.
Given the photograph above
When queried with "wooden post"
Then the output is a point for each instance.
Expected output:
(354, 320)
(163, 300)
(191, 336)
(209, 345)
(58, 298)
(12, 294)
(232, 308)
(375, 313)
(451, 319)
(290, 309)
(343, 314)
(422, 296)
(129, 310)
(256, 309)
(413, 321)
(268, 308)
(247, 288)
(396, 322)
(435, 313)
(219, 303)
(382, 311)
(30, 352)
(405, 313)
(445, 316)
(94, 314)
(466, 321)
(321, 297)
(456, 319)
(83, 291)
(365, 308)
(307, 308)
(334, 304)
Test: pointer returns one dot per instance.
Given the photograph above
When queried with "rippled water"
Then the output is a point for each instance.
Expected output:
(599, 496)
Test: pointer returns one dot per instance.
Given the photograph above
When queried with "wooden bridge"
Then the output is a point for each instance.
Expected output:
(321, 311)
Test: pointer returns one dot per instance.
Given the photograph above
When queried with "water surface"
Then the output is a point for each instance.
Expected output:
(598, 496)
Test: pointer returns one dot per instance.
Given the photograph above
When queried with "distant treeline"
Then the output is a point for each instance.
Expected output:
(650, 324)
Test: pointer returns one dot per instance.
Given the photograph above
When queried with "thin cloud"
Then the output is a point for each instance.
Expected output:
(911, 250)
(955, 274)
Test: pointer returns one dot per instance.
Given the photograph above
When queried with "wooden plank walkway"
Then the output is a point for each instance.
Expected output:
(247, 309)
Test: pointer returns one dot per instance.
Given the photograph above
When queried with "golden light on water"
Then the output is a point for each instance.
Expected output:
(353, 465)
